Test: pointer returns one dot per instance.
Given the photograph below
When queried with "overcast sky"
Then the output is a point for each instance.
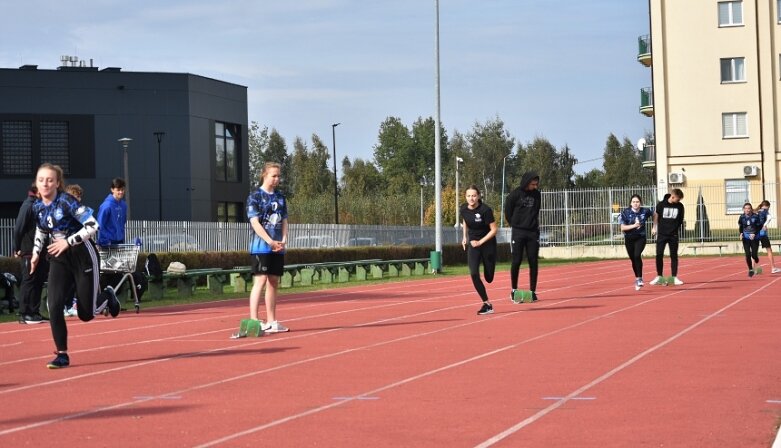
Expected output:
(565, 70)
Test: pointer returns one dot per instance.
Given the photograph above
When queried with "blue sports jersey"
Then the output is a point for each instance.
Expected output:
(629, 217)
(63, 217)
(763, 217)
(750, 224)
(271, 210)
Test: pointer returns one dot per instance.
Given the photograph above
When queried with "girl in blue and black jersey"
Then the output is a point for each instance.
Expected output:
(65, 229)
(267, 214)
(750, 224)
(632, 221)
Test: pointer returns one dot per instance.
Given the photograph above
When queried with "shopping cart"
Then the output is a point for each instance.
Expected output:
(121, 259)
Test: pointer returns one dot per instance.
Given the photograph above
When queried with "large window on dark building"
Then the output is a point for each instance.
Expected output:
(226, 155)
(229, 211)
(27, 141)
(17, 148)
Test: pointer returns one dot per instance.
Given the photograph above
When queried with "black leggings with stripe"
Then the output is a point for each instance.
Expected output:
(79, 266)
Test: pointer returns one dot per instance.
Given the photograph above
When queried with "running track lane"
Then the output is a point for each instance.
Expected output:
(412, 364)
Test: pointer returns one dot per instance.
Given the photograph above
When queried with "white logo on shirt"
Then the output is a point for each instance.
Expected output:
(670, 213)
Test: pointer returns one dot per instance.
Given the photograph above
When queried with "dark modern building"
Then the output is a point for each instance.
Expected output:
(187, 159)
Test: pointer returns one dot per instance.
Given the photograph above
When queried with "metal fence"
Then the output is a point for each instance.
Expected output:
(567, 217)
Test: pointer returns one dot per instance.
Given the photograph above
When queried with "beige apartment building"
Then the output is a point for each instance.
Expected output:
(714, 99)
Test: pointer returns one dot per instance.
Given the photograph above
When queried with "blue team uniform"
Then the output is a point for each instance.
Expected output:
(271, 210)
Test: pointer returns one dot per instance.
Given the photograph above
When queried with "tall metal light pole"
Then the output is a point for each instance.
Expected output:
(437, 151)
(458, 159)
(159, 135)
(336, 191)
(504, 164)
(125, 141)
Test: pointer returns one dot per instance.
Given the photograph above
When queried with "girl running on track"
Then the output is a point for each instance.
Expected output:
(267, 213)
(65, 231)
(633, 220)
(750, 224)
(764, 238)
(479, 240)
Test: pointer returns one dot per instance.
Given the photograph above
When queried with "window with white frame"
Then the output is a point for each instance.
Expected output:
(733, 70)
(734, 125)
(731, 13)
(736, 194)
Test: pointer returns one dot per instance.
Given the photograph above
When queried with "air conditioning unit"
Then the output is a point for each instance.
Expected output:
(750, 170)
(675, 178)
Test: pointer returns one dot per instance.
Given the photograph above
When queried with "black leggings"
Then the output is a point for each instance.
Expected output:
(485, 254)
(635, 244)
(77, 265)
(751, 248)
(662, 241)
(529, 242)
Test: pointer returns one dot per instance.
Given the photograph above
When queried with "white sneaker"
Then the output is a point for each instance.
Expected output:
(274, 327)
(656, 280)
(638, 284)
(776, 270)
(677, 281)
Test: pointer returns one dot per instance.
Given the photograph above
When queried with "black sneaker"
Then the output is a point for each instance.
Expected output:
(62, 360)
(750, 273)
(534, 296)
(512, 296)
(487, 308)
(113, 303)
(33, 319)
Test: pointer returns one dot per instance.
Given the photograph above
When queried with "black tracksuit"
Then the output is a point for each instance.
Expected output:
(522, 210)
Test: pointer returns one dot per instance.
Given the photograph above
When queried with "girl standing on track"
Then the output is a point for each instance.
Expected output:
(66, 229)
(750, 224)
(267, 213)
(633, 220)
(764, 238)
(479, 240)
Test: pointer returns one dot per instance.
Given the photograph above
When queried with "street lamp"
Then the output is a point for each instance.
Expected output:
(458, 159)
(159, 135)
(125, 141)
(336, 192)
(504, 164)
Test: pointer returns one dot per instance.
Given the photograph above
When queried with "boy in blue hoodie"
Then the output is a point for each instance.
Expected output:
(522, 210)
(112, 215)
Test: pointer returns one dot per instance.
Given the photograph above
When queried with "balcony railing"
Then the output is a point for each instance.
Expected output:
(649, 156)
(647, 101)
(644, 49)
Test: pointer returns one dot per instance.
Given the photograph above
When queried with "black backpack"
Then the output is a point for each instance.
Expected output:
(152, 266)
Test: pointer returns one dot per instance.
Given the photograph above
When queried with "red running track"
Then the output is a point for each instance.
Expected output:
(592, 364)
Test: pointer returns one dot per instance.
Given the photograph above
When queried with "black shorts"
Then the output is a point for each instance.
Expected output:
(268, 264)
(765, 242)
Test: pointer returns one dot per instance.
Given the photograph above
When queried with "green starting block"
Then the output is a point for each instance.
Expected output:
(758, 270)
(669, 281)
(249, 328)
(522, 296)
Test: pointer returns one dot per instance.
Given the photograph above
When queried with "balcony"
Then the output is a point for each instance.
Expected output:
(649, 156)
(644, 50)
(647, 101)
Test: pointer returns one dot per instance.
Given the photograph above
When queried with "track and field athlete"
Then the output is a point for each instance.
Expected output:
(267, 213)
(522, 210)
(668, 219)
(633, 223)
(750, 224)
(479, 240)
(764, 237)
(65, 231)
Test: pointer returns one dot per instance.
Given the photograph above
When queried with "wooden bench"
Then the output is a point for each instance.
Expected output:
(695, 247)
(400, 268)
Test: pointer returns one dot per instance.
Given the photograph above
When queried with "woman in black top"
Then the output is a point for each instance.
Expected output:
(479, 229)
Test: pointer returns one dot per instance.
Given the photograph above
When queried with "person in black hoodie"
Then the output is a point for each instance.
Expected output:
(668, 219)
(31, 287)
(522, 210)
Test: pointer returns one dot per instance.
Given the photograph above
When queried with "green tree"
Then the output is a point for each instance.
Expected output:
(623, 164)
(310, 176)
(258, 141)
(360, 179)
(556, 168)
(488, 144)
(591, 179)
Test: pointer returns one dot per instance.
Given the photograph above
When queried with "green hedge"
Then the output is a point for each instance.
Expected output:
(452, 254)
